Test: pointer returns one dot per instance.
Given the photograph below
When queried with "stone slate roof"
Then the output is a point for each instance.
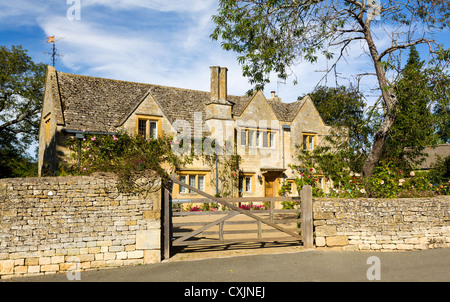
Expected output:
(99, 104)
(442, 151)
(286, 111)
(96, 104)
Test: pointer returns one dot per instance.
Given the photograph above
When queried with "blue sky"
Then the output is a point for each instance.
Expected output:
(163, 42)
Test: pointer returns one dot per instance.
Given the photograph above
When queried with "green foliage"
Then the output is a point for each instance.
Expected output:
(387, 181)
(413, 128)
(135, 160)
(440, 172)
(227, 172)
(343, 109)
(21, 95)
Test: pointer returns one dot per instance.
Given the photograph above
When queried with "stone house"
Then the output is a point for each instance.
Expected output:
(265, 132)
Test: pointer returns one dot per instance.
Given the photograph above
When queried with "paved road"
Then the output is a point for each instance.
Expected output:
(303, 266)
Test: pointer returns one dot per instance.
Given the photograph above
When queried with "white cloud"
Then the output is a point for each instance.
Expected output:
(164, 42)
(159, 5)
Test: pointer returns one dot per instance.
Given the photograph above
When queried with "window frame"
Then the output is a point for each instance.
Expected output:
(148, 121)
(309, 138)
(188, 177)
(47, 128)
(246, 180)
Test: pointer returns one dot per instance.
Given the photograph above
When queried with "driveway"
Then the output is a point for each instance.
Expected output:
(289, 265)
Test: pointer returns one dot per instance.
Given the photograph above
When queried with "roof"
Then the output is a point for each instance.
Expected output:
(286, 111)
(441, 151)
(98, 104)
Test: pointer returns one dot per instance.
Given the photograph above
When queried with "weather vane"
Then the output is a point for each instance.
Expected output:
(53, 54)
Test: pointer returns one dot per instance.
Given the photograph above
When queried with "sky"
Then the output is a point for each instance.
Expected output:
(163, 42)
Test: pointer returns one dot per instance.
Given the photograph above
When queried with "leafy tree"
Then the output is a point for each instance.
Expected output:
(440, 95)
(343, 108)
(21, 95)
(413, 128)
(272, 36)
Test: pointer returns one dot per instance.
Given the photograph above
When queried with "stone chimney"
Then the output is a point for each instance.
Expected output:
(275, 97)
(218, 83)
(218, 107)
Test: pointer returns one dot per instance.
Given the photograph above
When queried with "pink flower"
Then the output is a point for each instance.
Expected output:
(115, 138)
(412, 173)
(94, 138)
(90, 155)
(84, 168)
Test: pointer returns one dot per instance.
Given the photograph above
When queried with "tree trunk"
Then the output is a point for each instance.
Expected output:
(378, 144)
(390, 100)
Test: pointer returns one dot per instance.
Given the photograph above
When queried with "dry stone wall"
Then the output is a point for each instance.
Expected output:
(382, 224)
(50, 225)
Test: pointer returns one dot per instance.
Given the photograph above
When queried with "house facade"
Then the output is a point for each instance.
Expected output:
(265, 132)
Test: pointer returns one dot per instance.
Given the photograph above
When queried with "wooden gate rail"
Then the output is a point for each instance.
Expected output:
(306, 228)
(271, 212)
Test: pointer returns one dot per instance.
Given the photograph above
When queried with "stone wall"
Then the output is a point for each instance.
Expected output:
(382, 224)
(48, 225)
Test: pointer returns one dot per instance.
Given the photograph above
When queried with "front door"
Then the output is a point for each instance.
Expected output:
(269, 186)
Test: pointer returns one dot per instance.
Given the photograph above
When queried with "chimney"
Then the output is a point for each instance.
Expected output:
(275, 97)
(218, 83)
(223, 83)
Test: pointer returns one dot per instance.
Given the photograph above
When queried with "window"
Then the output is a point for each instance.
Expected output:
(257, 138)
(250, 137)
(265, 142)
(194, 180)
(245, 183)
(268, 139)
(243, 137)
(290, 186)
(201, 182)
(153, 128)
(321, 182)
(183, 179)
(147, 127)
(308, 141)
(272, 139)
(47, 126)
(248, 184)
(142, 127)
(191, 182)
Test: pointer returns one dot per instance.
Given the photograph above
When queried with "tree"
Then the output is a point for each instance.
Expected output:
(21, 95)
(440, 94)
(271, 36)
(413, 128)
(343, 108)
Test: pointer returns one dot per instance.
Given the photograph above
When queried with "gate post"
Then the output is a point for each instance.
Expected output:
(167, 223)
(306, 217)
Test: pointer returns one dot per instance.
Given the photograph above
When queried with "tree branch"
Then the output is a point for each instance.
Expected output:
(403, 46)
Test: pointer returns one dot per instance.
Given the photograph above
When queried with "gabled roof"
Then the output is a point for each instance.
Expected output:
(96, 104)
(99, 104)
(286, 112)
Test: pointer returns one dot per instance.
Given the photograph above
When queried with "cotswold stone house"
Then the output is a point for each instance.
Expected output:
(265, 132)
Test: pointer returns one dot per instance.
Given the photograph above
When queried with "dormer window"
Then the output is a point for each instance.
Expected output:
(148, 127)
(309, 141)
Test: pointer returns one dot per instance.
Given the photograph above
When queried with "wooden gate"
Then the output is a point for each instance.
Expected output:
(210, 225)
